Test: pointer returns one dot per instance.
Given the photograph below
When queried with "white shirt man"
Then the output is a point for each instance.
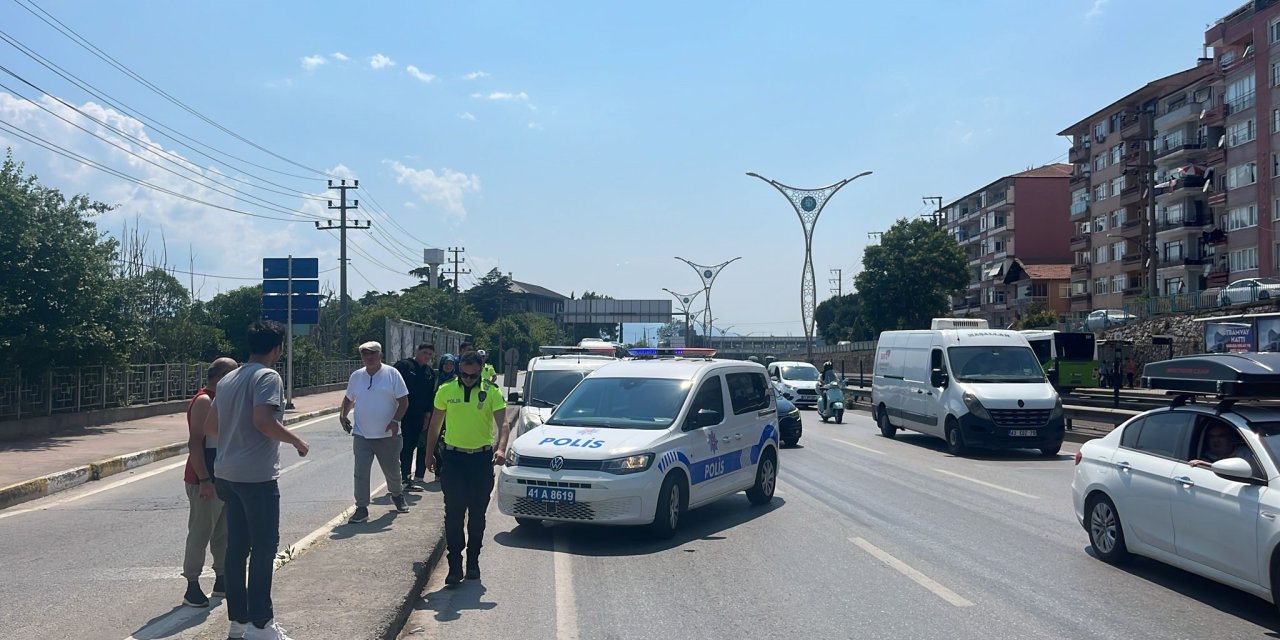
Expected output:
(380, 398)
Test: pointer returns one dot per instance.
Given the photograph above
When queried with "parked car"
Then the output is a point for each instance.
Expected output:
(790, 426)
(1104, 318)
(1249, 290)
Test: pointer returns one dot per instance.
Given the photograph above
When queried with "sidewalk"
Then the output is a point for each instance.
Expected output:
(35, 468)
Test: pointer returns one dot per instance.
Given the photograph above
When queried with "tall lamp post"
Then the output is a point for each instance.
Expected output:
(808, 205)
(708, 275)
(685, 300)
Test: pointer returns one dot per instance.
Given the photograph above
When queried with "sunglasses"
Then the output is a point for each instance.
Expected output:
(468, 376)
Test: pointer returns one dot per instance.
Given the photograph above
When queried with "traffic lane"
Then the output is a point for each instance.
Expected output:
(117, 561)
(1026, 551)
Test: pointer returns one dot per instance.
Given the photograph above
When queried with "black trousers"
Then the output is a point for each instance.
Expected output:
(466, 481)
(414, 447)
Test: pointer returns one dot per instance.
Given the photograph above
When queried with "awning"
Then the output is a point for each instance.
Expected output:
(996, 270)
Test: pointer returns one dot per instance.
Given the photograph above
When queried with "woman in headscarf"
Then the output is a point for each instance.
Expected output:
(448, 371)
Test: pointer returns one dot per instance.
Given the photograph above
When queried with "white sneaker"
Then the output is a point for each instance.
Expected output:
(236, 630)
(273, 631)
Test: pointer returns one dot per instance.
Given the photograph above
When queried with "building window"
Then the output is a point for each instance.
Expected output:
(1171, 213)
(1100, 192)
(1240, 94)
(1117, 218)
(1173, 286)
(1082, 257)
(1275, 211)
(1118, 283)
(1242, 175)
(1079, 201)
(1243, 259)
(1100, 132)
(1100, 255)
(1117, 185)
(1100, 162)
(1100, 286)
(1117, 251)
(1275, 121)
(1275, 74)
(1100, 223)
(1117, 153)
(1240, 133)
(1242, 217)
(1273, 31)
(1173, 251)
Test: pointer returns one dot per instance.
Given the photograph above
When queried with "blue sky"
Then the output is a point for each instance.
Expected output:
(580, 146)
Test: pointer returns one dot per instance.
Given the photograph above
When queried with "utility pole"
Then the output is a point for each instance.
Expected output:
(936, 214)
(1153, 281)
(342, 226)
(838, 281)
(456, 261)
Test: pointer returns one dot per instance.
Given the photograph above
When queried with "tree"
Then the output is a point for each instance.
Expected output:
(491, 295)
(591, 295)
(907, 278)
(1037, 316)
(172, 330)
(232, 312)
(841, 318)
(424, 273)
(60, 303)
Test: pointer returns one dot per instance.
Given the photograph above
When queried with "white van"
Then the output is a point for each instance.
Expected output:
(798, 378)
(972, 387)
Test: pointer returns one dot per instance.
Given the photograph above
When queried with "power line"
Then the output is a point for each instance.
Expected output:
(41, 142)
(378, 207)
(72, 35)
(210, 275)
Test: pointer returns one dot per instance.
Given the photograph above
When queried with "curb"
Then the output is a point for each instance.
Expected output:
(405, 607)
(50, 484)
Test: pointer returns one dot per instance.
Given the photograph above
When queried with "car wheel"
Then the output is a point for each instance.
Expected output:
(1106, 534)
(528, 523)
(955, 439)
(766, 479)
(1264, 295)
(1049, 452)
(840, 416)
(887, 430)
(671, 504)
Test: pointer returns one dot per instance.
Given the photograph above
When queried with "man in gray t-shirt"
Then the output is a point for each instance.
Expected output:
(246, 417)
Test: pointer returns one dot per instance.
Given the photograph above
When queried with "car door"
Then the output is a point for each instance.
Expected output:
(710, 466)
(1215, 520)
(1144, 465)
(752, 414)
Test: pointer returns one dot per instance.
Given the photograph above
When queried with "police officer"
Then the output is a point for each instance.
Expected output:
(475, 442)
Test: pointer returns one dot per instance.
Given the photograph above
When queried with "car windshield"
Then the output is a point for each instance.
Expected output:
(995, 364)
(1270, 434)
(803, 374)
(548, 388)
(623, 403)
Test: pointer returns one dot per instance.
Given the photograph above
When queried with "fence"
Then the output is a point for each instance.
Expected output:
(73, 389)
(404, 336)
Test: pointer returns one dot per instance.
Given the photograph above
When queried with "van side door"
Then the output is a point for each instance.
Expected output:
(753, 421)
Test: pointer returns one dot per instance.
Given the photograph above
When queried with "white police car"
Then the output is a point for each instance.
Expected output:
(550, 377)
(642, 440)
(1195, 485)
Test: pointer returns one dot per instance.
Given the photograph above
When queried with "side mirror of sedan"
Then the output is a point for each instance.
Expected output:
(1233, 469)
(514, 398)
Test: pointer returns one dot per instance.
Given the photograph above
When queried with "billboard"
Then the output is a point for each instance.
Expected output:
(1228, 337)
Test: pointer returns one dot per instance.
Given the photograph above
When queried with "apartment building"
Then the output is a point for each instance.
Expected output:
(1020, 217)
(1110, 194)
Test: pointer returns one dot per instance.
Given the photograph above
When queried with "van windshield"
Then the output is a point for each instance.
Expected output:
(622, 403)
(995, 364)
(803, 374)
(548, 388)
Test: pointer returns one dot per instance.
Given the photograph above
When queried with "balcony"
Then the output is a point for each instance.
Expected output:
(1079, 179)
(1168, 150)
(1174, 117)
(1185, 223)
(1079, 154)
(1185, 182)
(1080, 242)
(1132, 258)
(1240, 103)
(1135, 126)
(1216, 278)
(1080, 296)
(957, 305)
(1218, 199)
(1131, 194)
(1134, 289)
(1079, 209)
(1175, 262)
(1080, 268)
(1026, 300)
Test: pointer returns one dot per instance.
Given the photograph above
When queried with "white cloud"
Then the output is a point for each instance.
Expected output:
(536, 126)
(379, 61)
(339, 56)
(466, 115)
(408, 204)
(1096, 9)
(474, 75)
(420, 74)
(505, 95)
(311, 62)
(446, 189)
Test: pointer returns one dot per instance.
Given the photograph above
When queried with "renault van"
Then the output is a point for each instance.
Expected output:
(973, 387)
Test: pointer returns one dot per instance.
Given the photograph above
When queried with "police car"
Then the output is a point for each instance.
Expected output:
(550, 377)
(1195, 485)
(642, 440)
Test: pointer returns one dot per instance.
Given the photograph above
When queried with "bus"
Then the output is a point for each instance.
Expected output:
(1069, 358)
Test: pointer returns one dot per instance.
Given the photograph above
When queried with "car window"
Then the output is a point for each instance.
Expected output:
(710, 396)
(1204, 447)
(1164, 434)
(1129, 438)
(748, 392)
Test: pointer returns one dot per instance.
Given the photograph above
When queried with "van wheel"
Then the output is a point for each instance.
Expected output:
(955, 439)
(671, 505)
(1050, 452)
(766, 479)
(1106, 535)
(887, 430)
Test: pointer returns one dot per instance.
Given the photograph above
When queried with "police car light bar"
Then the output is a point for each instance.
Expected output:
(1227, 375)
(677, 351)
(559, 351)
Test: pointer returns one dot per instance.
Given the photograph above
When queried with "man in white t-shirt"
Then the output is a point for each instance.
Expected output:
(380, 397)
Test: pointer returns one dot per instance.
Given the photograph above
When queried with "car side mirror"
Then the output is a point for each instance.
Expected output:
(514, 398)
(1233, 469)
(939, 378)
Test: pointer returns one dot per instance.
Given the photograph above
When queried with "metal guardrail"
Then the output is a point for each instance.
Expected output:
(859, 398)
(71, 389)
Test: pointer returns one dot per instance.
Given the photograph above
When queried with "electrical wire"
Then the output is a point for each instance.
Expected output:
(210, 275)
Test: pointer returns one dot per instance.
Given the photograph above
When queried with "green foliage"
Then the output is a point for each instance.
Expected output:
(907, 278)
(232, 312)
(841, 318)
(491, 295)
(1037, 316)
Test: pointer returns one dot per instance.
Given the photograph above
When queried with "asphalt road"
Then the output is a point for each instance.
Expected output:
(104, 560)
(867, 538)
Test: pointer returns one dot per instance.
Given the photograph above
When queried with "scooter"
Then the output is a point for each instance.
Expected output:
(831, 403)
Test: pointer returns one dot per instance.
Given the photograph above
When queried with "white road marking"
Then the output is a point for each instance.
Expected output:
(566, 606)
(132, 479)
(858, 446)
(988, 484)
(293, 466)
(906, 570)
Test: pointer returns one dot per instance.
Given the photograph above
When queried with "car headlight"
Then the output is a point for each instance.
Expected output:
(975, 407)
(513, 458)
(629, 464)
(1057, 412)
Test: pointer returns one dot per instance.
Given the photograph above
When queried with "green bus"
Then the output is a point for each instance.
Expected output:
(1070, 359)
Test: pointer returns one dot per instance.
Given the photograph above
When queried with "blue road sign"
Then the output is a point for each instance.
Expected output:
(277, 268)
(282, 286)
(311, 316)
(301, 301)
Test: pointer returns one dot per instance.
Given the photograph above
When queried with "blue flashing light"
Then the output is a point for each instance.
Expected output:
(693, 352)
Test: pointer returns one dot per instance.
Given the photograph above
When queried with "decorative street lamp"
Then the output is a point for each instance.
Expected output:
(685, 300)
(808, 204)
(708, 275)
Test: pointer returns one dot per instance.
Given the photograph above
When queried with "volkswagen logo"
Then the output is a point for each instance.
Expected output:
(557, 463)
(1021, 404)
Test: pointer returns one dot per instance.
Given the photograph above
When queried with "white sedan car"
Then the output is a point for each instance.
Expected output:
(1103, 318)
(1191, 485)
(1250, 290)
